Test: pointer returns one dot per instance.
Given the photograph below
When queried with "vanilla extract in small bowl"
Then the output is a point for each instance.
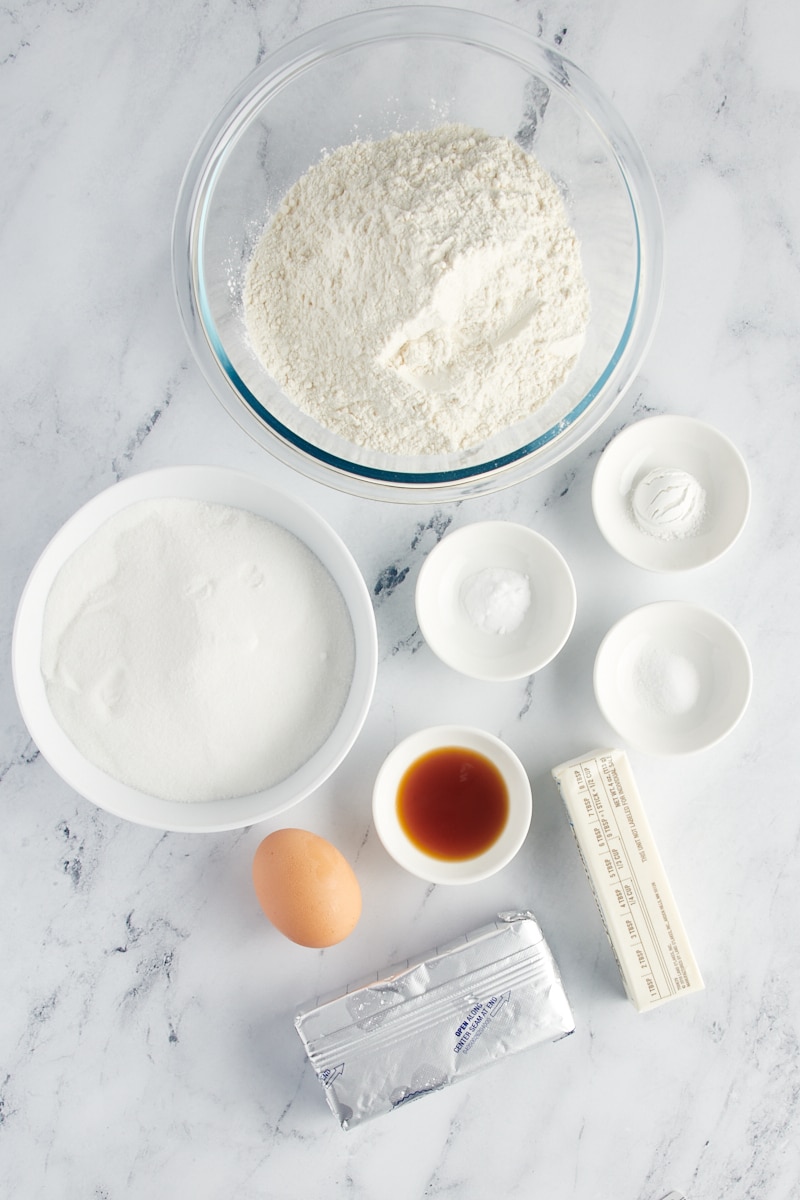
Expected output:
(452, 804)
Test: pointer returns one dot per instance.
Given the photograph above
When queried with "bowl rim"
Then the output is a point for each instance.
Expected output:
(250, 413)
(226, 486)
(415, 861)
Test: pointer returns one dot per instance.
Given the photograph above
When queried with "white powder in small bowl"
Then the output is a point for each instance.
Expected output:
(665, 682)
(496, 599)
(669, 503)
(196, 651)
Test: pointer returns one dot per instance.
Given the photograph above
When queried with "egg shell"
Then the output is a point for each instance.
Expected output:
(306, 887)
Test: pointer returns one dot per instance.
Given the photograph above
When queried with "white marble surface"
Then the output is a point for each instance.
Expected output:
(146, 1044)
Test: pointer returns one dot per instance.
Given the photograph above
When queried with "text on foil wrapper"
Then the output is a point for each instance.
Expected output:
(476, 1022)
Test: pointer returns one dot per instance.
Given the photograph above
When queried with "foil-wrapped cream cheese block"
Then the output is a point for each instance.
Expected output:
(628, 878)
(423, 1024)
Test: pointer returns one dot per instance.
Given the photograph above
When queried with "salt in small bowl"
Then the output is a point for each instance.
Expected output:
(672, 678)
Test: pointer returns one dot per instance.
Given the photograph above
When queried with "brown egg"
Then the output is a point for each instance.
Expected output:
(306, 887)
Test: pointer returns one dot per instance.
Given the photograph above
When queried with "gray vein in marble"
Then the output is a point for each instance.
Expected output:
(537, 97)
(656, 1179)
(41, 1014)
(24, 758)
(641, 408)
(390, 580)
(285, 1112)
(137, 439)
(81, 852)
(8, 1108)
(15, 40)
(567, 480)
(396, 573)
(530, 684)
(411, 644)
(154, 968)
(435, 1185)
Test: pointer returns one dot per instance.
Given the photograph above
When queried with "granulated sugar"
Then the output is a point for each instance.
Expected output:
(196, 651)
(418, 294)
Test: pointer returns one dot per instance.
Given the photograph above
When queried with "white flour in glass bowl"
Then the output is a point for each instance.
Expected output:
(419, 293)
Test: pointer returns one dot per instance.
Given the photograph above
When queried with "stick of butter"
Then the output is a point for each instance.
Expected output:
(628, 878)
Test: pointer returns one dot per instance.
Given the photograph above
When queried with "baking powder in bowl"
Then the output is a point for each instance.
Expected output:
(496, 599)
(418, 294)
(196, 651)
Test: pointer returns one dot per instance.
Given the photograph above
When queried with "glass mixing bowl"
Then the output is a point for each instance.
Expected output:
(365, 77)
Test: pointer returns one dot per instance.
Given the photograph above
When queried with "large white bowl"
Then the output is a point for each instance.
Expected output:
(363, 77)
(223, 486)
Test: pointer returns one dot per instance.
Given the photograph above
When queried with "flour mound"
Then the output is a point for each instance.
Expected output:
(418, 294)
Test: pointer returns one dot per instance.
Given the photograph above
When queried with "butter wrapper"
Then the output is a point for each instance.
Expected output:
(628, 879)
(421, 1025)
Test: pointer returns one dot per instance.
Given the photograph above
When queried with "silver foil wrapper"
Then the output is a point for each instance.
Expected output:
(421, 1025)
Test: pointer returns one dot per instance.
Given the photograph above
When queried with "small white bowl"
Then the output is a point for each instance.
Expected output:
(392, 835)
(688, 445)
(223, 486)
(455, 637)
(672, 678)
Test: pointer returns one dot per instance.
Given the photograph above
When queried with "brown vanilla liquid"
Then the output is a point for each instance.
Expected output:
(452, 803)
